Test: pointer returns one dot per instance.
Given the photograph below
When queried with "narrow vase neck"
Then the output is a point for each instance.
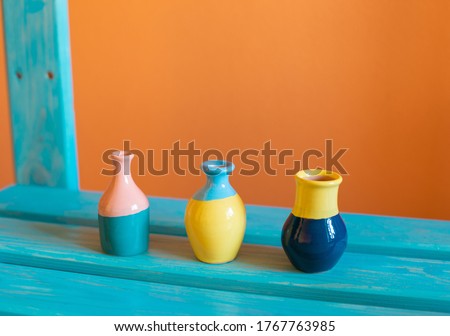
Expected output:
(122, 173)
(122, 197)
(217, 185)
(316, 196)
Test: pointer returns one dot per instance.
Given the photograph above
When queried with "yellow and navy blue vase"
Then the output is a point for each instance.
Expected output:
(215, 216)
(123, 212)
(314, 235)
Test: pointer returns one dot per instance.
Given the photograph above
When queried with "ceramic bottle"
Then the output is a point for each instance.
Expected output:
(123, 212)
(314, 235)
(215, 216)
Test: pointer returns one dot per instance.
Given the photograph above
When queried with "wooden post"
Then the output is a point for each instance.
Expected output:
(40, 92)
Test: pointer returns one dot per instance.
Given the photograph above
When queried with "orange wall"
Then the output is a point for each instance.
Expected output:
(374, 76)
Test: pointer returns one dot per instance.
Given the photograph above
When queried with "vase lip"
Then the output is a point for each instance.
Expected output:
(318, 177)
(217, 167)
(121, 155)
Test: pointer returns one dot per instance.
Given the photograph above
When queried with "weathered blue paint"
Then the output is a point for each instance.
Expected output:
(125, 235)
(362, 279)
(217, 184)
(40, 92)
(396, 236)
(34, 291)
(314, 245)
(387, 276)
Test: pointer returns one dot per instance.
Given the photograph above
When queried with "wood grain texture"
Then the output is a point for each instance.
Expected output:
(40, 92)
(34, 291)
(407, 237)
(371, 280)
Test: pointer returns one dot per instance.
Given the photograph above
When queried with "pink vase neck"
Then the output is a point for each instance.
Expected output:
(122, 163)
(122, 197)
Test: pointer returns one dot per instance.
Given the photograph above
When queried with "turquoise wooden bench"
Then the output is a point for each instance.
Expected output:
(50, 257)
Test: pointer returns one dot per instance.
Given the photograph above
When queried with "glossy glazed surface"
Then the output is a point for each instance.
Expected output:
(314, 235)
(123, 212)
(125, 235)
(216, 228)
(215, 217)
(217, 184)
(317, 193)
(314, 245)
(123, 197)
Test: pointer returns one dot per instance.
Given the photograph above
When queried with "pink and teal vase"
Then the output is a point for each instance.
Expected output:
(314, 235)
(123, 212)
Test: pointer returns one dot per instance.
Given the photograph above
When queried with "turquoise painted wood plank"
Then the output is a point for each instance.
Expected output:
(372, 280)
(34, 291)
(40, 92)
(406, 237)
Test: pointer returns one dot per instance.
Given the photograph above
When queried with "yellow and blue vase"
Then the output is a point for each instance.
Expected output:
(123, 212)
(215, 216)
(314, 235)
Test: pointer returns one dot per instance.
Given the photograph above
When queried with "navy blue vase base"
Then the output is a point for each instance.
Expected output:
(314, 245)
(125, 235)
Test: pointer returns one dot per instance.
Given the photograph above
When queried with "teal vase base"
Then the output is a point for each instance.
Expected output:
(314, 245)
(125, 236)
